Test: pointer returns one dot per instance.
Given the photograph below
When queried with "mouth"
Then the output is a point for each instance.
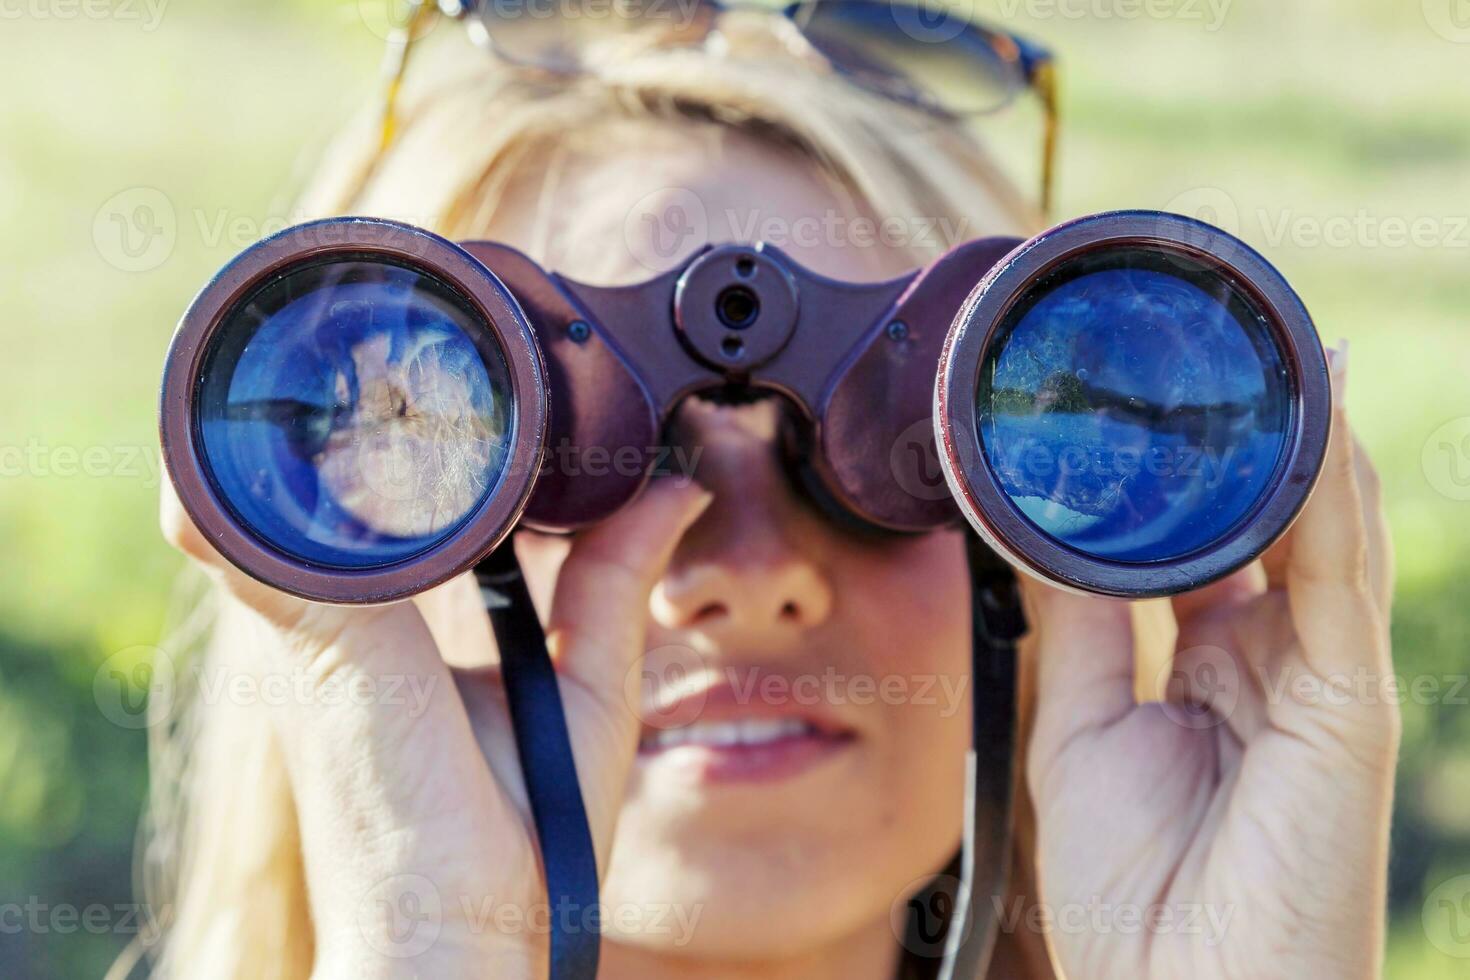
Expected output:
(744, 744)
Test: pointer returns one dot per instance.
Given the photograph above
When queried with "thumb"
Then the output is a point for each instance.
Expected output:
(599, 612)
(596, 630)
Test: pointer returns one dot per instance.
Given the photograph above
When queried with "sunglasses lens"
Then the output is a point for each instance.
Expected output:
(923, 53)
(564, 36)
(1133, 406)
(353, 412)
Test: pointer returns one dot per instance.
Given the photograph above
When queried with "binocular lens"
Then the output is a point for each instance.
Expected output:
(1133, 405)
(353, 413)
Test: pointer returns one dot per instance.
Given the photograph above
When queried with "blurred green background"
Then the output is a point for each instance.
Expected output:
(143, 144)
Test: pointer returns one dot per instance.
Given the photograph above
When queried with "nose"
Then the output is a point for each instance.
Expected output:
(751, 565)
(754, 587)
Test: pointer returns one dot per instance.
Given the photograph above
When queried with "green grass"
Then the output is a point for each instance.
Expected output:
(1303, 113)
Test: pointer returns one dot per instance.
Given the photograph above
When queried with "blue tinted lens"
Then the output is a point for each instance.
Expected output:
(347, 416)
(1134, 406)
(927, 53)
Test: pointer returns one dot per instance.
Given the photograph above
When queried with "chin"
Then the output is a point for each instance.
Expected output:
(732, 900)
(755, 886)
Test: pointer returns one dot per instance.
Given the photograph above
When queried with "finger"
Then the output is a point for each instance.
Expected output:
(180, 531)
(1211, 684)
(1084, 669)
(389, 783)
(382, 764)
(1277, 559)
(311, 624)
(455, 614)
(1375, 519)
(1326, 566)
(599, 612)
(596, 632)
(1239, 586)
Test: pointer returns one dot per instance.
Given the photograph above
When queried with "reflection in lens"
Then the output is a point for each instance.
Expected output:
(347, 416)
(926, 54)
(1134, 406)
(574, 35)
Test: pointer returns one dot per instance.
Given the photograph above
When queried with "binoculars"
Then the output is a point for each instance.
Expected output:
(1131, 404)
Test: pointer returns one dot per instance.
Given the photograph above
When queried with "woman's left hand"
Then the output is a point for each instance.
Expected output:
(1240, 829)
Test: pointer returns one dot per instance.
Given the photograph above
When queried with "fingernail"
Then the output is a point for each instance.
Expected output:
(699, 497)
(1338, 364)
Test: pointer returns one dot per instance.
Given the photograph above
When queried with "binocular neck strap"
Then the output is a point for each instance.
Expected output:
(545, 749)
(997, 624)
(567, 853)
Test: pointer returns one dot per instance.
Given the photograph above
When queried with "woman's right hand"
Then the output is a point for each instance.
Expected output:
(417, 840)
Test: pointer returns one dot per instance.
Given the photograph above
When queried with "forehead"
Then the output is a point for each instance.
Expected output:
(635, 197)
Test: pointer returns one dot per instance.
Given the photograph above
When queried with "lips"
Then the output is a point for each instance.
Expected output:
(721, 737)
(745, 733)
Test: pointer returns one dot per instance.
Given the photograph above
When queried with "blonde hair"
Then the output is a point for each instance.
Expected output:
(221, 855)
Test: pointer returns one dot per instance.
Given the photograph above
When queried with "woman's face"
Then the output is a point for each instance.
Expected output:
(805, 693)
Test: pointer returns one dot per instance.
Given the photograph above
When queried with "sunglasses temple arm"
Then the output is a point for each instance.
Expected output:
(395, 64)
(1044, 81)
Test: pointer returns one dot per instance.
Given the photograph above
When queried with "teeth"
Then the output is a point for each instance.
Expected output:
(723, 734)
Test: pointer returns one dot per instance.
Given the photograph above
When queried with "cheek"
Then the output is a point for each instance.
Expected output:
(912, 612)
(914, 601)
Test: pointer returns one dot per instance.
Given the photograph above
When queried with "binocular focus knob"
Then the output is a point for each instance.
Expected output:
(736, 307)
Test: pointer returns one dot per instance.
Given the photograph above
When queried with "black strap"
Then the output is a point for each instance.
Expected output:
(567, 854)
(997, 623)
(545, 751)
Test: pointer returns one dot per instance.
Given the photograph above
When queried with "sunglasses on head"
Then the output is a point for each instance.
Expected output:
(918, 53)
